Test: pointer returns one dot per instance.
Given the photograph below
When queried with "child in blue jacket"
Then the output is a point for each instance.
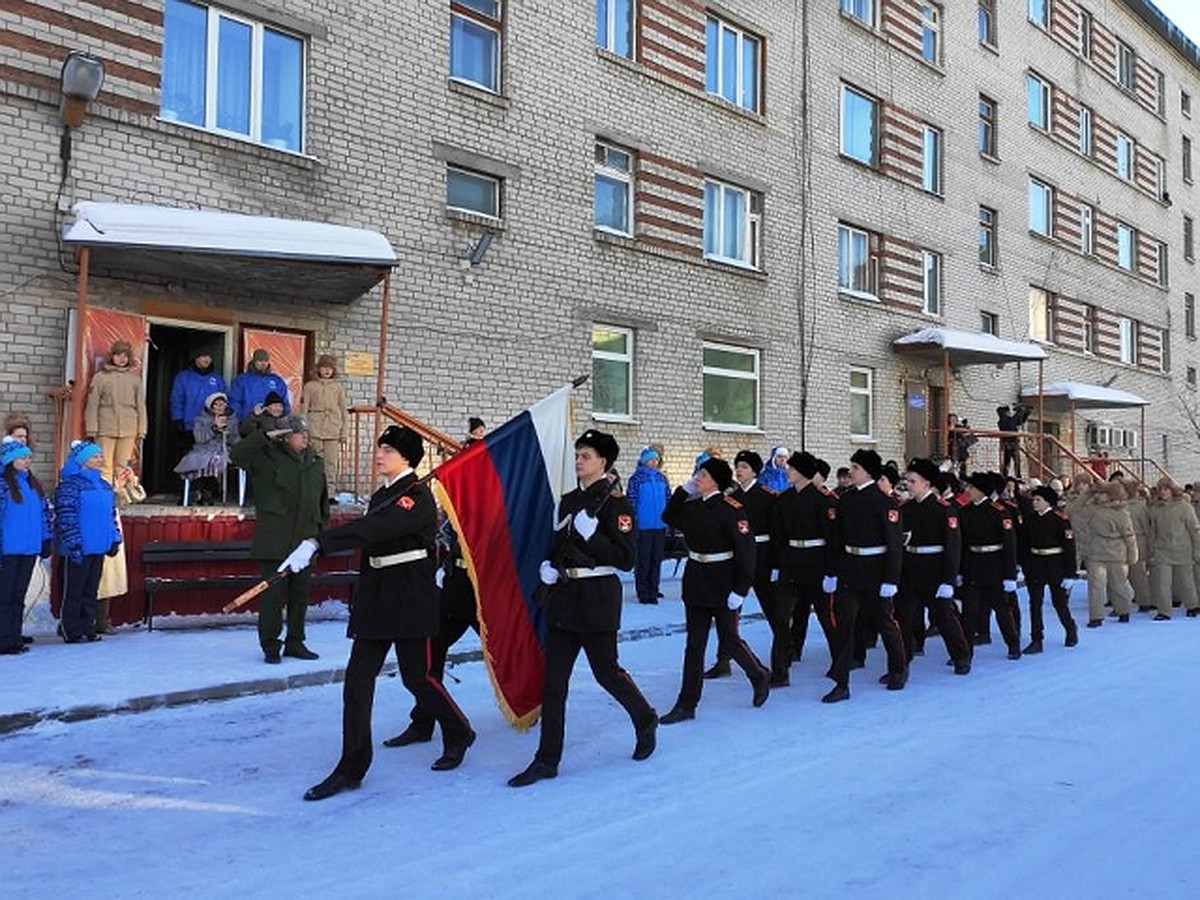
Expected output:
(25, 534)
(85, 524)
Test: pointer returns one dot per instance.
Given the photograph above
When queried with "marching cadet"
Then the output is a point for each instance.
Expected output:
(583, 605)
(989, 559)
(758, 499)
(932, 550)
(1048, 561)
(719, 573)
(1112, 549)
(1174, 547)
(395, 605)
(800, 625)
(804, 531)
(868, 572)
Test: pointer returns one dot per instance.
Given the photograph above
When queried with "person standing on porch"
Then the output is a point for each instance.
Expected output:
(115, 413)
(248, 393)
(191, 387)
(323, 403)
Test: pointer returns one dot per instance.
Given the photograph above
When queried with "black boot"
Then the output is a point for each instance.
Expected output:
(646, 739)
(762, 687)
(678, 714)
(413, 734)
(720, 669)
(839, 693)
(299, 651)
(897, 680)
(962, 667)
(453, 753)
(334, 784)
(1035, 646)
(1072, 636)
(536, 771)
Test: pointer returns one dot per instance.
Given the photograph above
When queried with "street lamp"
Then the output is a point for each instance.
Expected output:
(82, 78)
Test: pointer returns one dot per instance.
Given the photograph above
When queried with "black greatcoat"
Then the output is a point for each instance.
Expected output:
(1050, 530)
(806, 515)
(717, 524)
(929, 523)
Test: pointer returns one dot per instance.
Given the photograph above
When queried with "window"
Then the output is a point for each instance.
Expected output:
(987, 22)
(1185, 104)
(1189, 315)
(1163, 275)
(1129, 338)
(987, 126)
(856, 262)
(1041, 315)
(1125, 242)
(730, 386)
(731, 64)
(1039, 12)
(1085, 130)
(613, 191)
(1191, 379)
(1089, 330)
(1124, 156)
(1083, 36)
(931, 287)
(1041, 207)
(732, 223)
(863, 10)
(931, 32)
(1126, 65)
(232, 75)
(612, 371)
(1160, 179)
(1187, 160)
(1087, 234)
(987, 237)
(931, 163)
(475, 29)
(1164, 357)
(860, 126)
(1189, 238)
(989, 323)
(1039, 102)
(862, 401)
(472, 192)
(614, 26)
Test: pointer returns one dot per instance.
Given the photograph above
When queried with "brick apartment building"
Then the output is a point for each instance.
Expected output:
(726, 212)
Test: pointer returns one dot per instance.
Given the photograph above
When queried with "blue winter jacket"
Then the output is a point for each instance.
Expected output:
(85, 513)
(251, 388)
(25, 525)
(189, 391)
(648, 491)
(774, 477)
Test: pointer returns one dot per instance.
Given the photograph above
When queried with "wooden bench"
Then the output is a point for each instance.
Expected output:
(219, 556)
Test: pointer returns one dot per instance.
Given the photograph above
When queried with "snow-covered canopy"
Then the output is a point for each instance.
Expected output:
(257, 254)
(968, 348)
(1084, 396)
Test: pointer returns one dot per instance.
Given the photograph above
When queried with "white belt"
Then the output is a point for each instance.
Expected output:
(460, 563)
(710, 557)
(396, 559)
(866, 551)
(595, 572)
(807, 544)
(986, 548)
(761, 538)
(925, 549)
(1045, 551)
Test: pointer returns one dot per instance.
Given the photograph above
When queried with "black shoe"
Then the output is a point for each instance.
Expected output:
(649, 602)
(962, 668)
(1161, 618)
(838, 694)
(1095, 623)
(334, 784)
(77, 639)
(1072, 636)
(720, 669)
(762, 688)
(784, 680)
(1014, 652)
(1034, 647)
(1193, 612)
(1124, 617)
(413, 734)
(678, 714)
(536, 772)
(452, 754)
(897, 680)
(26, 639)
(647, 739)
(883, 679)
(299, 651)
(271, 655)
(12, 651)
(92, 638)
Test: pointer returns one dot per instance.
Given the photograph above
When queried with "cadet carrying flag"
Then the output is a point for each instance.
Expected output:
(501, 495)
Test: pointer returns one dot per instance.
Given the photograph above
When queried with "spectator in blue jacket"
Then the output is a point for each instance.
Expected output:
(648, 492)
(248, 396)
(191, 388)
(25, 534)
(85, 525)
(774, 473)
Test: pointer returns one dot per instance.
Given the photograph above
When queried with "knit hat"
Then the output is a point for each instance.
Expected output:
(11, 450)
(119, 347)
(869, 461)
(823, 468)
(404, 441)
(927, 470)
(273, 397)
(779, 450)
(804, 463)
(82, 451)
(701, 458)
(750, 458)
(720, 471)
(475, 422)
(326, 360)
(603, 443)
(260, 355)
(200, 350)
(213, 398)
(647, 454)
(981, 481)
(891, 472)
(294, 424)
(1047, 494)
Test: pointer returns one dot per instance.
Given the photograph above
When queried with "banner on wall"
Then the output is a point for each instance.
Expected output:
(288, 352)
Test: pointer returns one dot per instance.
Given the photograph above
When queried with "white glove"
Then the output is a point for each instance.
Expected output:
(735, 601)
(829, 584)
(1066, 583)
(887, 591)
(945, 592)
(547, 573)
(958, 581)
(586, 524)
(439, 577)
(774, 575)
(1010, 586)
(299, 558)
(690, 488)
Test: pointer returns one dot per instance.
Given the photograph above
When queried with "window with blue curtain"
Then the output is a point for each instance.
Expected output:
(475, 42)
(614, 26)
(185, 62)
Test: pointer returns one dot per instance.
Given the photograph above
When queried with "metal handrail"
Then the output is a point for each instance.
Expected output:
(443, 445)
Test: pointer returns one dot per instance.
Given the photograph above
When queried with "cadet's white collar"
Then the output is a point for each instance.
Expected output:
(388, 482)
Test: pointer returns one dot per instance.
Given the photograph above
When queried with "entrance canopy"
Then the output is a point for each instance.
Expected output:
(289, 258)
(1084, 396)
(967, 348)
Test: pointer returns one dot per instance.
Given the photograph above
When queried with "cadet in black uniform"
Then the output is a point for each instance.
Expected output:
(395, 605)
(868, 573)
(989, 559)
(583, 607)
(1049, 562)
(932, 549)
(719, 573)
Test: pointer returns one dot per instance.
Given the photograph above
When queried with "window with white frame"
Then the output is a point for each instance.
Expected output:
(987, 126)
(1090, 330)
(612, 371)
(863, 10)
(1085, 130)
(1126, 62)
(1189, 238)
(731, 392)
(472, 192)
(1126, 238)
(1160, 179)
(1185, 103)
(856, 262)
(1191, 380)
(1039, 12)
(1129, 337)
(1189, 315)
(989, 323)
(860, 126)
(931, 282)
(931, 159)
(230, 74)
(733, 64)
(1041, 315)
(614, 26)
(1041, 207)
(1164, 357)
(1038, 92)
(1124, 155)
(1163, 273)
(613, 189)
(987, 22)
(732, 223)
(1087, 232)
(475, 30)
(931, 32)
(1187, 160)
(988, 249)
(862, 403)
(1083, 34)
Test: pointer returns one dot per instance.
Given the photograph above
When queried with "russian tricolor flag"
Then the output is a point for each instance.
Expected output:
(501, 495)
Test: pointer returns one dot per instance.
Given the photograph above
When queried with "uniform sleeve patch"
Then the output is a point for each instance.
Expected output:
(743, 526)
(625, 523)
(893, 516)
(1070, 535)
(831, 512)
(1007, 524)
(405, 502)
(952, 522)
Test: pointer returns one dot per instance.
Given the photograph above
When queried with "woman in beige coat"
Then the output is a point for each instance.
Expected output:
(1174, 549)
(115, 414)
(323, 403)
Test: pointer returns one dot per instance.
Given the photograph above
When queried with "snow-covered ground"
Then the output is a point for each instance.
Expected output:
(1076, 773)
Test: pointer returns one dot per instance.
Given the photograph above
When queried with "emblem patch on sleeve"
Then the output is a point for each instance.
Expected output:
(1070, 535)
(893, 516)
(1008, 524)
(625, 523)
(405, 502)
(743, 526)
(952, 522)
(832, 513)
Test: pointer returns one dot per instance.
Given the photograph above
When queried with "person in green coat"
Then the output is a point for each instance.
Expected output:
(291, 503)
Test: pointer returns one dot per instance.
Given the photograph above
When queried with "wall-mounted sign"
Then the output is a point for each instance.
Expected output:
(358, 363)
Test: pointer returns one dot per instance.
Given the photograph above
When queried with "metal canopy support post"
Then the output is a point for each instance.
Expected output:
(383, 334)
(1142, 439)
(1041, 420)
(80, 386)
(1073, 450)
(946, 400)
